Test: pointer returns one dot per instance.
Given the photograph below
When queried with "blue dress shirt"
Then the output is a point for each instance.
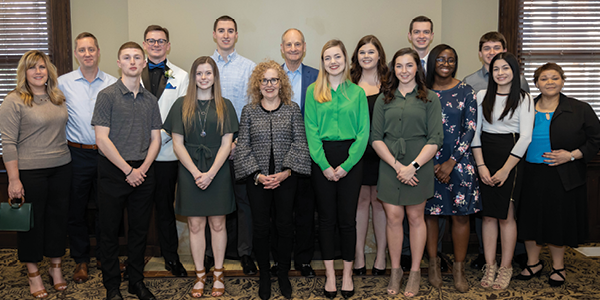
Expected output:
(234, 75)
(296, 81)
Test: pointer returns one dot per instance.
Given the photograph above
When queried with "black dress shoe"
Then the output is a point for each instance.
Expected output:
(264, 287)
(114, 294)
(443, 262)
(176, 268)
(479, 262)
(329, 294)
(405, 262)
(347, 294)
(209, 262)
(141, 291)
(248, 265)
(285, 286)
(274, 270)
(360, 271)
(375, 271)
(306, 270)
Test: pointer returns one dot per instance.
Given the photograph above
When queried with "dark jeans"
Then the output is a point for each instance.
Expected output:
(48, 192)
(261, 203)
(337, 202)
(164, 195)
(114, 194)
(84, 189)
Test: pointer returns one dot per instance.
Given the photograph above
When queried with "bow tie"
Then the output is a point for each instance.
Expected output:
(153, 66)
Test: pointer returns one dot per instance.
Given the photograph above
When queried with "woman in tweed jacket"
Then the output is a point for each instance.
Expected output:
(271, 152)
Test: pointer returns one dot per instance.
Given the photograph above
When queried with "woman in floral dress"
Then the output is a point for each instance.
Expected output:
(456, 185)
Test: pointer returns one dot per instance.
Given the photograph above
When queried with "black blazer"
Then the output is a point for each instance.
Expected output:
(574, 125)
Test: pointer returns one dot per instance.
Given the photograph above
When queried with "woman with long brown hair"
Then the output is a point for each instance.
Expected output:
(33, 118)
(202, 125)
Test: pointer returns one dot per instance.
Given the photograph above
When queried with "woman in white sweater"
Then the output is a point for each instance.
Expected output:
(504, 126)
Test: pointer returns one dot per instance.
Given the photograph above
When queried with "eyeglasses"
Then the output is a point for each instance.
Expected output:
(160, 42)
(441, 61)
(266, 81)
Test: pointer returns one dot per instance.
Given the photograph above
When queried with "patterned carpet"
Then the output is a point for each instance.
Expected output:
(583, 282)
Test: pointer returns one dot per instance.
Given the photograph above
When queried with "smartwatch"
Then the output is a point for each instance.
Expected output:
(416, 165)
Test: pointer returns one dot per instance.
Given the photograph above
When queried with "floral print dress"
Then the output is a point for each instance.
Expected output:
(460, 196)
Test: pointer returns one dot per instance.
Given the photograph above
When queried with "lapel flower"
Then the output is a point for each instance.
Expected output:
(169, 74)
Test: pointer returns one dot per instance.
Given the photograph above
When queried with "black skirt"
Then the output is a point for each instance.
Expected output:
(496, 150)
(548, 213)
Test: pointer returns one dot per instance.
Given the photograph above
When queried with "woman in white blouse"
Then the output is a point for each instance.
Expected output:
(504, 126)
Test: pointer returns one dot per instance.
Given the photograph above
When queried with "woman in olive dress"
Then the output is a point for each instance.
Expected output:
(202, 125)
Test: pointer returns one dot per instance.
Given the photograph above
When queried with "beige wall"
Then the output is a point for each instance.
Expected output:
(458, 23)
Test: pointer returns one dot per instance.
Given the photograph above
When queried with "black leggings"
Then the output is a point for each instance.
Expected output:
(337, 201)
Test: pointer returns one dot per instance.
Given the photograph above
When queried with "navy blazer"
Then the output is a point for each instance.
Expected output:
(574, 125)
(309, 75)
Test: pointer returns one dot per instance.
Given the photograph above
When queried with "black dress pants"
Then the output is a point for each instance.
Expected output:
(114, 194)
(84, 190)
(48, 192)
(337, 201)
(261, 202)
(164, 195)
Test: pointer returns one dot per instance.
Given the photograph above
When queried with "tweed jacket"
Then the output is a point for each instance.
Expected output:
(281, 130)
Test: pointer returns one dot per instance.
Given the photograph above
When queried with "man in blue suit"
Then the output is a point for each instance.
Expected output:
(301, 76)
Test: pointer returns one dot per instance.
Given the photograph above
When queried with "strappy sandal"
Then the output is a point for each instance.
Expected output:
(218, 292)
(489, 274)
(530, 271)
(197, 293)
(61, 286)
(41, 293)
(413, 284)
(556, 283)
(393, 287)
(503, 279)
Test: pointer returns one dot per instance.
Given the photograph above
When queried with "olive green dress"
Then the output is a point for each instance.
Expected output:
(218, 198)
(405, 125)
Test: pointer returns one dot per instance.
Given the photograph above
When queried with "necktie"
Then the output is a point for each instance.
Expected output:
(423, 63)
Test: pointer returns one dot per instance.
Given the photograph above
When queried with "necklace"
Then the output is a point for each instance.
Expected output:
(203, 113)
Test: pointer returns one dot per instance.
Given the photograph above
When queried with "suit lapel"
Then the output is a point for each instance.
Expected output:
(146, 78)
(162, 84)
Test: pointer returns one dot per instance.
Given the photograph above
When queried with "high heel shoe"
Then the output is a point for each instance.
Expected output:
(556, 283)
(531, 274)
(393, 287)
(503, 279)
(218, 292)
(329, 294)
(434, 273)
(458, 272)
(360, 271)
(41, 293)
(61, 286)
(350, 293)
(413, 284)
(489, 275)
(375, 271)
(197, 293)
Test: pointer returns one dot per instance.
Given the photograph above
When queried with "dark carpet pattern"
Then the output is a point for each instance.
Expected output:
(583, 282)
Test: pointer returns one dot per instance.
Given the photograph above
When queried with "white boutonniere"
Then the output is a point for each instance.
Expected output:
(169, 74)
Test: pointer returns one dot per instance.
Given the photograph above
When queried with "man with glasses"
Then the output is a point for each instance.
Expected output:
(167, 82)
(235, 71)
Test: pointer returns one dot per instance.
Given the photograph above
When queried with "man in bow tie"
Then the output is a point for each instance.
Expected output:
(167, 82)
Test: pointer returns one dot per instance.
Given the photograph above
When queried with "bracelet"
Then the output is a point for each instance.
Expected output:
(129, 172)
(256, 178)
(481, 165)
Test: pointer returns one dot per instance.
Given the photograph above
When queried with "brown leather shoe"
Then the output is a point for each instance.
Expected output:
(80, 275)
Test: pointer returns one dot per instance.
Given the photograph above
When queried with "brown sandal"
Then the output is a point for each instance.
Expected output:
(413, 284)
(202, 279)
(61, 286)
(41, 293)
(218, 292)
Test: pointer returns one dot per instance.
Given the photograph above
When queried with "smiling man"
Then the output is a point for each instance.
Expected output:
(81, 88)
(235, 71)
(127, 124)
(420, 35)
(167, 82)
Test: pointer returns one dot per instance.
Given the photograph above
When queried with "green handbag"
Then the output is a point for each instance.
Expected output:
(16, 216)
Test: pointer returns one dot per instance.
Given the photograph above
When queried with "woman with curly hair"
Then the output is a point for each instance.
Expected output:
(271, 153)
(33, 118)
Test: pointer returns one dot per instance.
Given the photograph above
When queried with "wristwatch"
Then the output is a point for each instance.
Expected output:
(416, 165)
(572, 156)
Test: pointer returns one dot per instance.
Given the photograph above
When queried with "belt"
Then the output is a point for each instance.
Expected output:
(82, 146)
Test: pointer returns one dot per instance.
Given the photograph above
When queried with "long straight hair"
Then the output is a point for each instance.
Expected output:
(188, 111)
(28, 60)
(515, 95)
(394, 82)
(322, 91)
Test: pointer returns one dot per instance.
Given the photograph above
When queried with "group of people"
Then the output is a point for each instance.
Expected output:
(269, 142)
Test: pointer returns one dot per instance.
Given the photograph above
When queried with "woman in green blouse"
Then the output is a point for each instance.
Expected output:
(406, 134)
(337, 129)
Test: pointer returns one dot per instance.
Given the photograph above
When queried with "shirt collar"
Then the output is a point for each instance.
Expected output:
(299, 70)
(124, 90)
(230, 57)
(99, 75)
(484, 71)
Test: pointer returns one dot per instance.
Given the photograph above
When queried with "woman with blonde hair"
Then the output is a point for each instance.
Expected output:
(337, 129)
(33, 118)
(202, 125)
(271, 153)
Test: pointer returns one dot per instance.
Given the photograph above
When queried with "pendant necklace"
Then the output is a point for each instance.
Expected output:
(204, 113)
